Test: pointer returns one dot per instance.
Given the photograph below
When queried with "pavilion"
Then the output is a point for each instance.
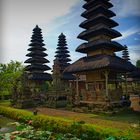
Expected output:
(101, 67)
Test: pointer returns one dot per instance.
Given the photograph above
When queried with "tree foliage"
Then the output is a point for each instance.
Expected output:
(8, 74)
(138, 63)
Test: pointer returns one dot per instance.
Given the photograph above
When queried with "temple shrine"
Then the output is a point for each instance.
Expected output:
(63, 58)
(35, 73)
(59, 95)
(101, 67)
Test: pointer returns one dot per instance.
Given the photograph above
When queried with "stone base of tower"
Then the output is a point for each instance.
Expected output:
(28, 93)
(57, 98)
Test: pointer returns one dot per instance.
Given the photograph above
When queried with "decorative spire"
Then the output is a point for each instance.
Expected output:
(98, 28)
(37, 56)
(62, 58)
(125, 54)
(62, 53)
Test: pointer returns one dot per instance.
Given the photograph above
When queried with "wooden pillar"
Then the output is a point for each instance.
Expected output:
(70, 84)
(86, 84)
(77, 85)
(106, 82)
(77, 89)
(126, 89)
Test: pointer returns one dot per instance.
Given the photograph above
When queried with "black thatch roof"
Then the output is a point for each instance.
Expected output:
(35, 67)
(98, 10)
(85, 35)
(92, 3)
(37, 60)
(40, 76)
(36, 53)
(97, 20)
(100, 62)
(100, 44)
(36, 44)
(36, 48)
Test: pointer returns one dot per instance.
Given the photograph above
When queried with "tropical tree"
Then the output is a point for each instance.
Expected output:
(138, 63)
(8, 74)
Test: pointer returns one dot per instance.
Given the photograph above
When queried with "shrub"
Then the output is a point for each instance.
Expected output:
(64, 126)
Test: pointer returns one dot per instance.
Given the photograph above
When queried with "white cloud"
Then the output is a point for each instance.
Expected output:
(134, 56)
(125, 8)
(19, 17)
(128, 32)
(134, 53)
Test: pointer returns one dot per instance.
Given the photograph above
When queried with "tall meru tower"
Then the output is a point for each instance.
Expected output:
(36, 69)
(101, 67)
(63, 57)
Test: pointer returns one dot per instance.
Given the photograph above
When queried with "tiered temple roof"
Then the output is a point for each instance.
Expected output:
(98, 33)
(36, 69)
(63, 57)
(62, 53)
(125, 54)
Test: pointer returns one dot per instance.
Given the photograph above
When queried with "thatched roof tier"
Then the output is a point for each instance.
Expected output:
(60, 43)
(37, 29)
(60, 47)
(64, 51)
(37, 37)
(93, 0)
(96, 62)
(37, 60)
(94, 11)
(100, 44)
(35, 43)
(92, 3)
(36, 53)
(62, 55)
(37, 48)
(40, 76)
(64, 60)
(35, 67)
(37, 40)
(85, 35)
(94, 21)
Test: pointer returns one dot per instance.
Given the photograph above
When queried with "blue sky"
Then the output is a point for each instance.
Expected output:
(18, 23)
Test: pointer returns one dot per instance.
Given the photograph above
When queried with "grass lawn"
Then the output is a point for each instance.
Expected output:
(123, 120)
(5, 103)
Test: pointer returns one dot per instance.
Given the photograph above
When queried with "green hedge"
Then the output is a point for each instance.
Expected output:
(60, 125)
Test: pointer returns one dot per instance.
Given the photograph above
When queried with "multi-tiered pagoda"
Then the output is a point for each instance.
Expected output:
(36, 69)
(125, 53)
(63, 57)
(101, 67)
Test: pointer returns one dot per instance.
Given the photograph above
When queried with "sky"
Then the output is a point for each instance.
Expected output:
(19, 17)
